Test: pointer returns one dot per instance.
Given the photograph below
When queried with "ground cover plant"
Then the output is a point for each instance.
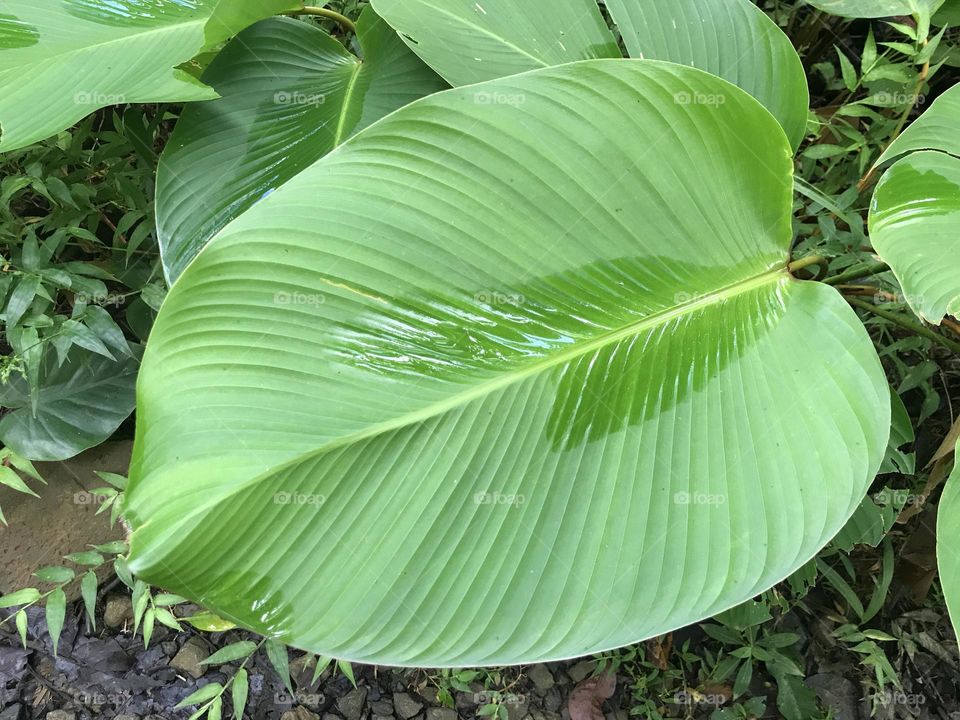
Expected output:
(507, 333)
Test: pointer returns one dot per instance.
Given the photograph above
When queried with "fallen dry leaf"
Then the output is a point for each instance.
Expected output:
(587, 697)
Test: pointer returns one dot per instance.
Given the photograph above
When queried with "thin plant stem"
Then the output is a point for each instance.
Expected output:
(342, 20)
(906, 323)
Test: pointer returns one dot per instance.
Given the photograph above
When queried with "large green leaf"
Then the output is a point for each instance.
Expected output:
(499, 383)
(877, 8)
(937, 129)
(731, 38)
(469, 41)
(80, 404)
(62, 59)
(948, 543)
(289, 94)
(914, 218)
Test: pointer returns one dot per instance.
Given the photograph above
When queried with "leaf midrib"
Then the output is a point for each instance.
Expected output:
(775, 274)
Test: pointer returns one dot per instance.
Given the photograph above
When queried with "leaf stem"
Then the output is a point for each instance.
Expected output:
(856, 273)
(806, 262)
(342, 20)
(906, 323)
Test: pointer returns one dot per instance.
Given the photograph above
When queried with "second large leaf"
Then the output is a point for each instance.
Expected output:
(290, 93)
(530, 382)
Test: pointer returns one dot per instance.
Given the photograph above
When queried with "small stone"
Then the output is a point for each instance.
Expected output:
(189, 658)
(582, 670)
(382, 707)
(61, 715)
(406, 705)
(126, 717)
(552, 700)
(351, 704)
(117, 611)
(383, 717)
(331, 716)
(541, 677)
(14, 712)
(517, 707)
(169, 648)
(299, 713)
(435, 713)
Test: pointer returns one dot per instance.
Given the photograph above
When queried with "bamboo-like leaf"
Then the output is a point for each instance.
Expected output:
(239, 691)
(55, 611)
(554, 344)
(233, 651)
(88, 591)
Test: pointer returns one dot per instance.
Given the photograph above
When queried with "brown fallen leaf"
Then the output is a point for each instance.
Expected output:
(659, 649)
(587, 698)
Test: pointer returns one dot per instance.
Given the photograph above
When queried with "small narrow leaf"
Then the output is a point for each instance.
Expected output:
(88, 590)
(55, 574)
(234, 651)
(165, 617)
(90, 558)
(20, 597)
(21, 621)
(202, 695)
(216, 708)
(277, 653)
(149, 618)
(347, 669)
(323, 662)
(10, 478)
(239, 691)
(56, 611)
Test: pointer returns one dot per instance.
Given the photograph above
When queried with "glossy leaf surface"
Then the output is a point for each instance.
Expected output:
(469, 41)
(948, 544)
(290, 93)
(81, 403)
(63, 59)
(937, 129)
(531, 381)
(914, 218)
(731, 38)
(877, 8)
